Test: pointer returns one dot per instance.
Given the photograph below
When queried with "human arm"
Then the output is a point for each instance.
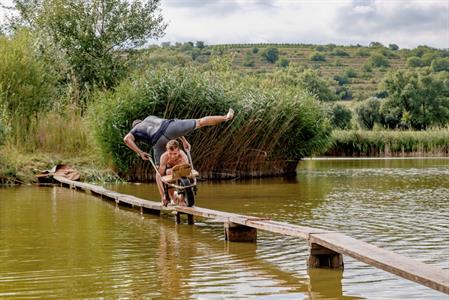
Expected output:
(131, 143)
(185, 143)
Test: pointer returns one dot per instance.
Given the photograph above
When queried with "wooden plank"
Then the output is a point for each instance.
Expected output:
(407, 268)
(400, 265)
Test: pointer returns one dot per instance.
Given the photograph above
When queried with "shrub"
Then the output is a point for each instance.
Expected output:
(343, 93)
(378, 61)
(316, 56)
(368, 113)
(271, 54)
(351, 73)
(341, 79)
(362, 52)
(255, 50)
(340, 52)
(440, 64)
(414, 62)
(340, 116)
(248, 60)
(270, 125)
(283, 62)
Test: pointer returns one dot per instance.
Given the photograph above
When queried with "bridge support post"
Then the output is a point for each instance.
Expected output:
(239, 233)
(322, 257)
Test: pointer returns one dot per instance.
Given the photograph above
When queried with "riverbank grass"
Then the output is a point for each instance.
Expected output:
(390, 143)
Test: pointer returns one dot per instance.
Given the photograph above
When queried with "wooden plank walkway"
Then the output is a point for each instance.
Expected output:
(320, 241)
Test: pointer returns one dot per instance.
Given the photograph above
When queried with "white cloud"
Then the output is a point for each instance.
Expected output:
(408, 23)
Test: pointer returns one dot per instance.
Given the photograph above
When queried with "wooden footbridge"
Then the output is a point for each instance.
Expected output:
(326, 247)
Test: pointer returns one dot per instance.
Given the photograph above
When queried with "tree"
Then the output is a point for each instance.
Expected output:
(393, 47)
(271, 54)
(200, 44)
(420, 99)
(368, 113)
(312, 82)
(28, 85)
(91, 33)
(376, 45)
(340, 116)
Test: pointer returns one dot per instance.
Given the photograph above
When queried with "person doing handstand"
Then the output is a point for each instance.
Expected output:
(158, 132)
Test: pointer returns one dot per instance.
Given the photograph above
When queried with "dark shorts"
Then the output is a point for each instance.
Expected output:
(175, 129)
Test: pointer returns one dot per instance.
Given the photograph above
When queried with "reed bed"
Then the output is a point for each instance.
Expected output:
(390, 143)
(273, 127)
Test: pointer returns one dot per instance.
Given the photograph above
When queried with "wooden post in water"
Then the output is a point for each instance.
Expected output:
(321, 257)
(239, 233)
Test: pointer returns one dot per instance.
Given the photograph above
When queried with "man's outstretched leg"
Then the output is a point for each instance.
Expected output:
(214, 120)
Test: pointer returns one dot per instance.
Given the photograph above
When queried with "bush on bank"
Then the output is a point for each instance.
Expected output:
(271, 126)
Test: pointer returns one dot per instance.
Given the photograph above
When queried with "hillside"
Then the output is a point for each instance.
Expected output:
(351, 71)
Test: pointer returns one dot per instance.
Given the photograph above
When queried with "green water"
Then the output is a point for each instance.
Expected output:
(57, 243)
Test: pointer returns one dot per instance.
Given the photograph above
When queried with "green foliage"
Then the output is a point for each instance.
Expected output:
(377, 60)
(393, 47)
(368, 113)
(320, 48)
(280, 124)
(91, 32)
(283, 62)
(311, 81)
(414, 62)
(200, 44)
(340, 52)
(362, 52)
(341, 79)
(27, 84)
(376, 45)
(340, 116)
(343, 93)
(255, 50)
(316, 56)
(248, 60)
(271, 54)
(351, 73)
(389, 143)
(418, 100)
(440, 64)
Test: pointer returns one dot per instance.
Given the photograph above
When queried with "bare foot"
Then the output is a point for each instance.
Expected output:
(230, 115)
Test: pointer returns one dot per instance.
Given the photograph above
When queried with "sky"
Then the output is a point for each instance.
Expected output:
(407, 23)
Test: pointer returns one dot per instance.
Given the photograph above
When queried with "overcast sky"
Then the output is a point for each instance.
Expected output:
(407, 23)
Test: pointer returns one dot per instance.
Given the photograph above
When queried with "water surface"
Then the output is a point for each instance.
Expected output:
(57, 243)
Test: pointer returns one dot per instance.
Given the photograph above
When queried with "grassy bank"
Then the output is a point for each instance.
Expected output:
(54, 138)
(390, 143)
